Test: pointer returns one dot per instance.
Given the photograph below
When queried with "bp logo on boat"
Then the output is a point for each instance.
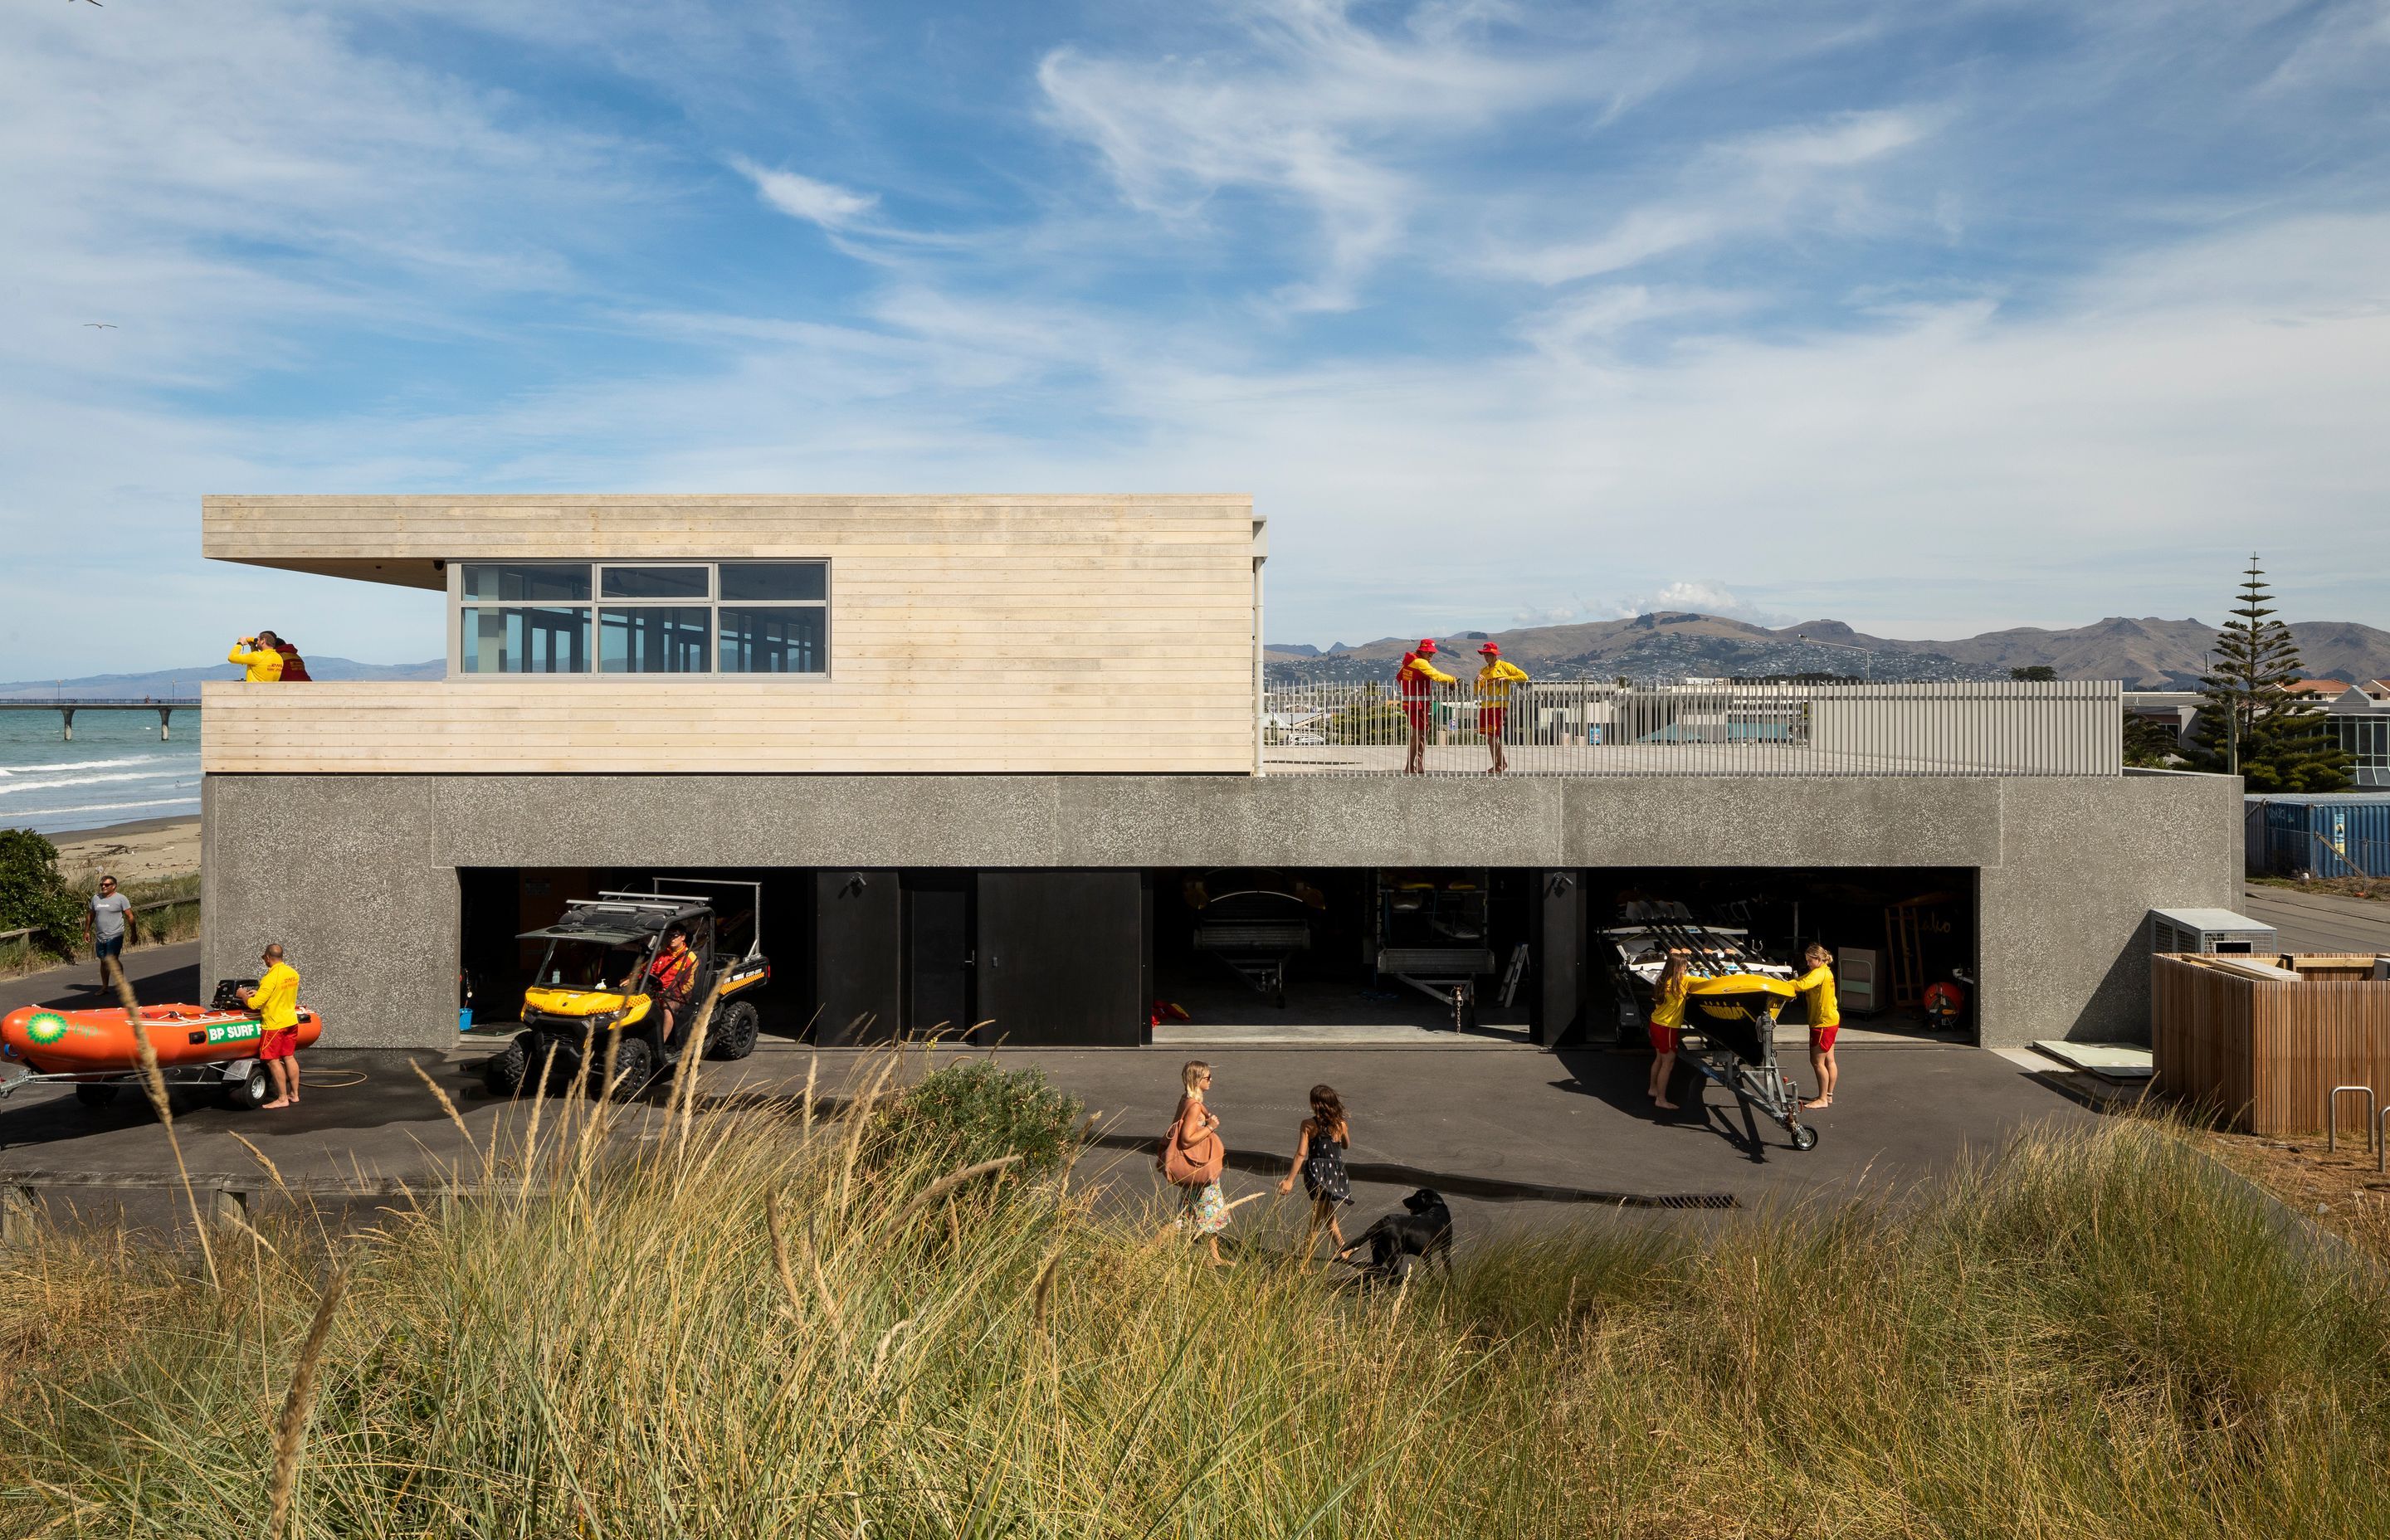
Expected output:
(45, 1027)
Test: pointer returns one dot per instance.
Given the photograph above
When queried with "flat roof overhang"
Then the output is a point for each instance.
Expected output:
(406, 540)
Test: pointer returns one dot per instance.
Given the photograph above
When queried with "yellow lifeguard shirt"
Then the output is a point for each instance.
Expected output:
(1494, 681)
(1818, 984)
(275, 998)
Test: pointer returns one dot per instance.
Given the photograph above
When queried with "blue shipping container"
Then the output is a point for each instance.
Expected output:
(2331, 835)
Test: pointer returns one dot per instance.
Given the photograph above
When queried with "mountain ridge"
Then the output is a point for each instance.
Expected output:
(2146, 653)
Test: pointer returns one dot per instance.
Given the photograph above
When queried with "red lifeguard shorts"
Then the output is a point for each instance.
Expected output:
(282, 1043)
(1489, 720)
(1821, 1039)
(1417, 713)
(1663, 1039)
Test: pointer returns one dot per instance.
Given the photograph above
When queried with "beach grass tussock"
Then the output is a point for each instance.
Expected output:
(732, 1332)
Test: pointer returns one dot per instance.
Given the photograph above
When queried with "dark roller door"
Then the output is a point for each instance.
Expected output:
(1060, 955)
(938, 951)
(1557, 932)
(858, 970)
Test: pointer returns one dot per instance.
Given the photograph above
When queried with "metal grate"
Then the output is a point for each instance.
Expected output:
(2064, 728)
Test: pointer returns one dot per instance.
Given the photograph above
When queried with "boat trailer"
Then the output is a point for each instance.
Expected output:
(1446, 974)
(1256, 952)
(1734, 1044)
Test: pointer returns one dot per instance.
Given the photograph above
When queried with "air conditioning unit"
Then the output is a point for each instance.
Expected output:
(2211, 930)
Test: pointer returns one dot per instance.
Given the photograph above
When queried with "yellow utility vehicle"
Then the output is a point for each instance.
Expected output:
(587, 994)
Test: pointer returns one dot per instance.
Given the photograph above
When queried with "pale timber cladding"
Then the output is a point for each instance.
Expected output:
(966, 635)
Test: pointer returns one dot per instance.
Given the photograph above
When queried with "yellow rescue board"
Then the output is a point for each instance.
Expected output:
(1733, 996)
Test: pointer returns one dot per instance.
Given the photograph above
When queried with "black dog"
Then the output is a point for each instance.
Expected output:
(1425, 1231)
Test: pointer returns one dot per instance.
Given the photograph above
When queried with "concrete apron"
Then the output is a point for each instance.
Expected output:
(1516, 1140)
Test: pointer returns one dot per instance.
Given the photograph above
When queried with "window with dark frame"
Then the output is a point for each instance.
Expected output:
(651, 616)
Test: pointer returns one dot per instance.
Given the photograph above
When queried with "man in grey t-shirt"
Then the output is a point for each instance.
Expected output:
(105, 923)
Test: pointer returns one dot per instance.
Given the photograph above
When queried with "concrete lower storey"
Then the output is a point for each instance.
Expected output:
(1058, 910)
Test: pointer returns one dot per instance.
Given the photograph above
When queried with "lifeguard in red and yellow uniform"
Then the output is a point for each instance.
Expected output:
(1494, 682)
(671, 980)
(1414, 682)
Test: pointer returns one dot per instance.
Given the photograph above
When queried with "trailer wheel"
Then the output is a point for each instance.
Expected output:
(505, 1070)
(250, 1092)
(96, 1095)
(1805, 1137)
(731, 1034)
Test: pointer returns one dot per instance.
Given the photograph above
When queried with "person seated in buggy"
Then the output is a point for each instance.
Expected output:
(670, 981)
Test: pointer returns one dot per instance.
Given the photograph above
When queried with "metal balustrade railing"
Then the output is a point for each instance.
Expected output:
(1699, 727)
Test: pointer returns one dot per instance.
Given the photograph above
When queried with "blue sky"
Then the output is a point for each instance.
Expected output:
(1931, 317)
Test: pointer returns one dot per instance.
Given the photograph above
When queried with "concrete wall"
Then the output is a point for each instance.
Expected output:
(357, 873)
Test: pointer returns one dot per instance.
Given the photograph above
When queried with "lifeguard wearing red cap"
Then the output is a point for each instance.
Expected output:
(1415, 681)
(1494, 683)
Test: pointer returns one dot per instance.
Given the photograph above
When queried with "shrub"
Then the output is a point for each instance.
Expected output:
(33, 894)
(973, 1111)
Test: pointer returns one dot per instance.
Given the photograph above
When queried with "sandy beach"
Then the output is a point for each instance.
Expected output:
(134, 852)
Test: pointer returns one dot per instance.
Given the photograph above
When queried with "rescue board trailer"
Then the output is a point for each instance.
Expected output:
(1732, 998)
(213, 1045)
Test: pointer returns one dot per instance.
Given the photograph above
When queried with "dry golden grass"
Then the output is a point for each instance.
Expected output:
(734, 1331)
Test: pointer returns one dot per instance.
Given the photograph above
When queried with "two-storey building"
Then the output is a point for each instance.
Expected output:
(992, 757)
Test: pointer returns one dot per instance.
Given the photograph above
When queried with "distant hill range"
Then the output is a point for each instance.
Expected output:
(2146, 654)
(184, 682)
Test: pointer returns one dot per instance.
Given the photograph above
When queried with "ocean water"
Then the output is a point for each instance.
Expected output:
(114, 772)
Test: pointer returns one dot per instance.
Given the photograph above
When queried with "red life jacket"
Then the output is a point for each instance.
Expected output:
(672, 975)
(293, 667)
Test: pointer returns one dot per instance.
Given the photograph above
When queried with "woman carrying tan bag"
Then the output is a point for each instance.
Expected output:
(1192, 1155)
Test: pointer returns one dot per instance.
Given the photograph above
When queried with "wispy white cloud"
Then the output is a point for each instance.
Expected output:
(823, 203)
(1750, 184)
(1573, 361)
(1317, 110)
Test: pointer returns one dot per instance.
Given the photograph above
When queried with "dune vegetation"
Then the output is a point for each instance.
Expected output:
(762, 1324)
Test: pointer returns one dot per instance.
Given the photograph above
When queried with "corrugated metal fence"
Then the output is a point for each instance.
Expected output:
(2062, 727)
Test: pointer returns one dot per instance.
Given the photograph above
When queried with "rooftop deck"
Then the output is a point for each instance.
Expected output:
(2066, 727)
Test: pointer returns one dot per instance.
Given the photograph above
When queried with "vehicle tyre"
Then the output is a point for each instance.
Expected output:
(635, 1065)
(506, 1069)
(96, 1095)
(731, 1033)
(1805, 1137)
(252, 1091)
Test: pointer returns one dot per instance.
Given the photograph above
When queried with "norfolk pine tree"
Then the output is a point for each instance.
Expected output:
(2251, 723)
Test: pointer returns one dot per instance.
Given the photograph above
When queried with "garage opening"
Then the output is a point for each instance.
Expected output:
(1345, 956)
(756, 910)
(1903, 940)
(863, 955)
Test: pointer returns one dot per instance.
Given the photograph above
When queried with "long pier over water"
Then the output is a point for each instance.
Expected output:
(66, 710)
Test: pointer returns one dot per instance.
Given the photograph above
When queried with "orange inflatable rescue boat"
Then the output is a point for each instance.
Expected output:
(95, 1049)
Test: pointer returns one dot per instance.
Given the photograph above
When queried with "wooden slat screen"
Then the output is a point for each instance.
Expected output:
(2264, 1055)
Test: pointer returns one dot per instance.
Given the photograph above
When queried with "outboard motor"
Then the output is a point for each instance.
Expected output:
(1946, 1006)
(228, 994)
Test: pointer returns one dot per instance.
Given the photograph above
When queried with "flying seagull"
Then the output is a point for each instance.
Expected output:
(101, 326)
